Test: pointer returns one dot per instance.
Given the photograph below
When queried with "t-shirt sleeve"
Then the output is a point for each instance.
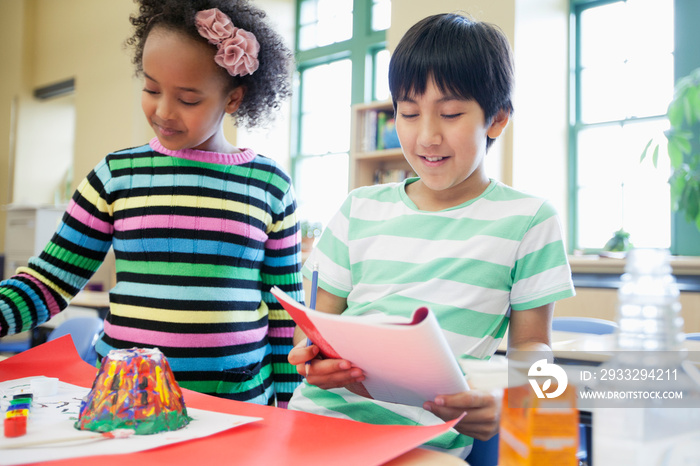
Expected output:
(541, 274)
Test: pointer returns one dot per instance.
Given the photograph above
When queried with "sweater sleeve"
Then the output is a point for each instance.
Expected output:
(77, 248)
(282, 268)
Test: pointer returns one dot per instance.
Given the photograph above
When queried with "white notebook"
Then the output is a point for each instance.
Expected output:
(404, 361)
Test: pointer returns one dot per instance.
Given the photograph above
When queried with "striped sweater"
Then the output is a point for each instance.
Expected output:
(199, 239)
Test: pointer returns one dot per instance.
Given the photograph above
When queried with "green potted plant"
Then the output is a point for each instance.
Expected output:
(309, 232)
(683, 146)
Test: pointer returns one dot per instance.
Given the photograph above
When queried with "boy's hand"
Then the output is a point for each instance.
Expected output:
(482, 411)
(324, 373)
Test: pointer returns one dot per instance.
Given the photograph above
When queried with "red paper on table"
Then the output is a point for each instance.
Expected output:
(282, 437)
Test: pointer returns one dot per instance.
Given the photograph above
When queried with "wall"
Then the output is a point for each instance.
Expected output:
(11, 72)
(84, 39)
(48, 41)
(44, 151)
(540, 122)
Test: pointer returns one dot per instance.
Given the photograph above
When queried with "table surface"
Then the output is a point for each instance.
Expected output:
(87, 298)
(588, 347)
(569, 345)
(281, 437)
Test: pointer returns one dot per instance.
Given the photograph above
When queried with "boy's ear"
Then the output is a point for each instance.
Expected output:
(498, 124)
(235, 97)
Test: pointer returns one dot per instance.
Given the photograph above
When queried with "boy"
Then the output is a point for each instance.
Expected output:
(478, 253)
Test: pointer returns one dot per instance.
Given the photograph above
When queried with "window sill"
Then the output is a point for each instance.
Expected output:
(592, 271)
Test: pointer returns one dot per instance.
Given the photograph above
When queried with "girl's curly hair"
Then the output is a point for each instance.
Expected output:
(266, 88)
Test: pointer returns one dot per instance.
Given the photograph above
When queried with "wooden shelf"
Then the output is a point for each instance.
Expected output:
(380, 155)
(364, 164)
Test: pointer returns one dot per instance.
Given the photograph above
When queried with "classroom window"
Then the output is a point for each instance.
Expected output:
(623, 83)
(381, 75)
(324, 22)
(341, 60)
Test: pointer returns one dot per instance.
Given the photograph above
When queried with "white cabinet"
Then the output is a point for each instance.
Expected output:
(28, 230)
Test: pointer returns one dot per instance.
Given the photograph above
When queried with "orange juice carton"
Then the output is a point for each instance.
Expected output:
(539, 431)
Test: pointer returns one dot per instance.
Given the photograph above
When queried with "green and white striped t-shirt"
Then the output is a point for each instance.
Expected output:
(469, 264)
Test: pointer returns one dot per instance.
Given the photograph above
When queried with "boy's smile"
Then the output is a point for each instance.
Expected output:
(444, 137)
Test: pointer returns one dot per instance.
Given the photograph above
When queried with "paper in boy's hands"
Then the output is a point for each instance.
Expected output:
(303, 321)
(405, 361)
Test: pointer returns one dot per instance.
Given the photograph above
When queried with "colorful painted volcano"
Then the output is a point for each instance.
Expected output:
(134, 389)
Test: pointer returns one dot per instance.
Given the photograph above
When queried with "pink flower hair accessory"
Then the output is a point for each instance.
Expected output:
(237, 49)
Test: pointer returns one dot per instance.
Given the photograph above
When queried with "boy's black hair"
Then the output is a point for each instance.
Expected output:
(469, 59)
(266, 88)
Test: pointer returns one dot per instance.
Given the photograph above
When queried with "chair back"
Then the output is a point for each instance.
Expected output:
(484, 452)
(85, 331)
(584, 325)
(17, 343)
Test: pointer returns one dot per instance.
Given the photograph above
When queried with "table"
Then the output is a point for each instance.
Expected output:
(95, 299)
(282, 437)
(587, 348)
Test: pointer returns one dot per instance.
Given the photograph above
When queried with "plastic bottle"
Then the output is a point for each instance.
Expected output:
(636, 426)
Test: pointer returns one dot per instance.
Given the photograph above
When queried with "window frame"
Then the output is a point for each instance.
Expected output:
(360, 49)
(685, 238)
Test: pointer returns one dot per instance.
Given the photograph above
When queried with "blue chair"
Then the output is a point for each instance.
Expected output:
(85, 331)
(692, 336)
(16, 343)
(484, 452)
(584, 325)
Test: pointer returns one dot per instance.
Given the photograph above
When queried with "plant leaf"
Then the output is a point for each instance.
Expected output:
(675, 113)
(694, 99)
(694, 199)
(684, 142)
(655, 156)
(646, 149)
(687, 108)
(675, 153)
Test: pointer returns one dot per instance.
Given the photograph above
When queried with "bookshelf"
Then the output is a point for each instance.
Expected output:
(370, 161)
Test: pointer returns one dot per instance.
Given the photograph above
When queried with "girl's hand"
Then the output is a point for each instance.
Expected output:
(324, 373)
(482, 408)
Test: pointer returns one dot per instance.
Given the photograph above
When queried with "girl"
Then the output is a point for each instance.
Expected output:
(200, 229)
(481, 255)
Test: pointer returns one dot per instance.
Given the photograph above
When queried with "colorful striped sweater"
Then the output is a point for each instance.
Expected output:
(199, 239)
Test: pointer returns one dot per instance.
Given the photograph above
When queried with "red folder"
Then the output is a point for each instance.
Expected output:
(282, 437)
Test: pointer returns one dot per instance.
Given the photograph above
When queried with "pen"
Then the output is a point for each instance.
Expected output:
(314, 286)
(312, 300)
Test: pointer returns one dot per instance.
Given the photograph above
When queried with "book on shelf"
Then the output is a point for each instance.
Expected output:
(369, 141)
(387, 138)
(395, 175)
(406, 361)
(379, 131)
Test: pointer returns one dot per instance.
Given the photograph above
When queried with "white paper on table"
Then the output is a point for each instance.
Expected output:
(53, 417)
